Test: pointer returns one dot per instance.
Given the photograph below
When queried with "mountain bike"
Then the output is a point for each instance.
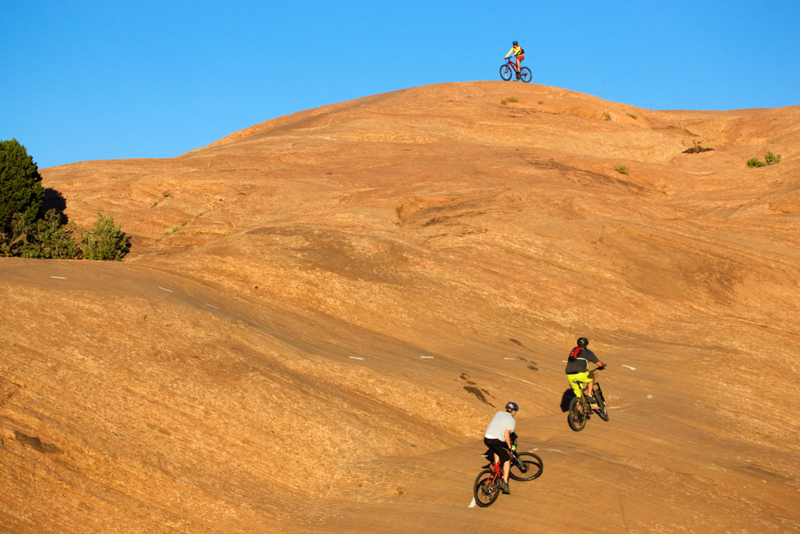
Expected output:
(524, 466)
(510, 68)
(580, 409)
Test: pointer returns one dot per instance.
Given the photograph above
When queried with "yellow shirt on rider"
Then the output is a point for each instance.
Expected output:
(515, 50)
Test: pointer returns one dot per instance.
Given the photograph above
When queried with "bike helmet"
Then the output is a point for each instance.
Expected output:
(582, 341)
(512, 407)
(515, 43)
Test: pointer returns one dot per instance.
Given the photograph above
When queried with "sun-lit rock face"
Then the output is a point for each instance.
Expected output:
(321, 313)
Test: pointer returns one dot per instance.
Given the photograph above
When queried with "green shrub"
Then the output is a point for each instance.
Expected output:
(772, 159)
(50, 238)
(622, 169)
(13, 239)
(21, 190)
(24, 231)
(769, 159)
(105, 241)
(632, 115)
(46, 238)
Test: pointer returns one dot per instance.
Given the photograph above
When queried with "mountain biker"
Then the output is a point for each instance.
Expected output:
(577, 369)
(517, 51)
(498, 439)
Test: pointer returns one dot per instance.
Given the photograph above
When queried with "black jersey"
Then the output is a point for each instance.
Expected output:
(578, 364)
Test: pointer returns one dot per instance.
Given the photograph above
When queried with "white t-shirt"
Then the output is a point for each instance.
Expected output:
(501, 422)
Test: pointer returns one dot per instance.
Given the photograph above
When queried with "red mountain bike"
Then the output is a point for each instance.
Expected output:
(510, 68)
(524, 466)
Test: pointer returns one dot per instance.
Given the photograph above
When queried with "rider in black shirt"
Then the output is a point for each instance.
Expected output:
(577, 368)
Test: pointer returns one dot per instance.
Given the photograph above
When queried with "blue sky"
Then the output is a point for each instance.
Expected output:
(116, 79)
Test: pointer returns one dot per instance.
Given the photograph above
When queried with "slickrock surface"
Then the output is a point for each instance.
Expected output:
(321, 313)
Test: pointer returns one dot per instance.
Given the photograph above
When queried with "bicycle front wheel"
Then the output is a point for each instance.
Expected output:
(576, 415)
(484, 490)
(527, 466)
(525, 74)
(506, 72)
(601, 402)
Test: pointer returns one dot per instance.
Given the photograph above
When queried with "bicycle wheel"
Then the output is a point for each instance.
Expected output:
(506, 72)
(484, 491)
(601, 402)
(525, 74)
(527, 466)
(576, 415)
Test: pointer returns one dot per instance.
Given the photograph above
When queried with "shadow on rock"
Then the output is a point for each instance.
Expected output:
(566, 398)
(54, 200)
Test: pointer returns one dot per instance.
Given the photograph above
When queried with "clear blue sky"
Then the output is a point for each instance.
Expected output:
(115, 79)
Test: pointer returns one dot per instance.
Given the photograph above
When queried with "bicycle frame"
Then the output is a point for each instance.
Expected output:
(584, 385)
(512, 62)
(514, 460)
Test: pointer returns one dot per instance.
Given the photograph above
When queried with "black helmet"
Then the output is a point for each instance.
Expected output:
(515, 43)
(582, 341)
(512, 407)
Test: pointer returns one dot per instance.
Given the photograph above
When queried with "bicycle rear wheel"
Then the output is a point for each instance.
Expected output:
(576, 415)
(484, 491)
(525, 74)
(601, 402)
(527, 466)
(506, 72)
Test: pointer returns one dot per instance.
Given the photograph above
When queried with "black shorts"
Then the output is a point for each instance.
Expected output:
(498, 447)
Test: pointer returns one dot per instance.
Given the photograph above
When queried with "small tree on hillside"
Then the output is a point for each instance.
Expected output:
(49, 238)
(21, 190)
(105, 241)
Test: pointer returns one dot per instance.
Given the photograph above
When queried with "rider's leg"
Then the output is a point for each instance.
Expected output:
(590, 388)
(581, 379)
(506, 470)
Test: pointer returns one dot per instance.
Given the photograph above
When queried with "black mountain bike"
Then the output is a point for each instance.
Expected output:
(580, 410)
(524, 466)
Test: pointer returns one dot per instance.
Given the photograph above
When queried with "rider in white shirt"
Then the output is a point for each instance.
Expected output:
(498, 439)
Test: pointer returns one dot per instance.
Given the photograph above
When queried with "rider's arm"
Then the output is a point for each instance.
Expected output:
(507, 437)
(509, 53)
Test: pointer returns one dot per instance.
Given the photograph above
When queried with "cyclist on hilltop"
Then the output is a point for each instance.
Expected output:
(577, 368)
(517, 51)
(498, 439)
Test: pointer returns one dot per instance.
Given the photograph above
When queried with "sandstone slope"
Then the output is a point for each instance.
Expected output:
(320, 314)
